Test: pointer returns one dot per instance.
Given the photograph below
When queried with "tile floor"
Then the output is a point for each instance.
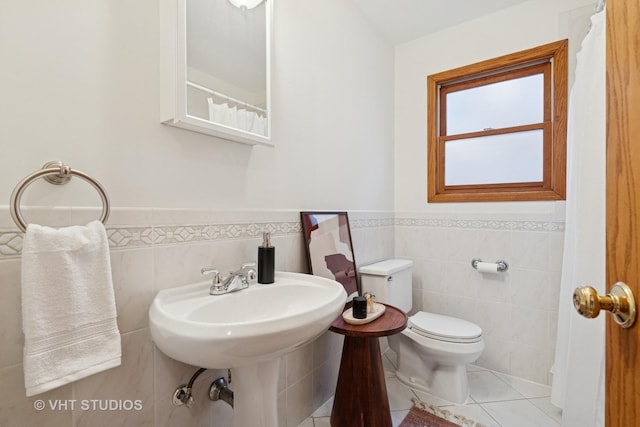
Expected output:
(496, 400)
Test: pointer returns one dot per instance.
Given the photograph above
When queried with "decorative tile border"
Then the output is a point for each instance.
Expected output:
(136, 237)
(177, 234)
(10, 243)
(477, 224)
(371, 222)
(129, 237)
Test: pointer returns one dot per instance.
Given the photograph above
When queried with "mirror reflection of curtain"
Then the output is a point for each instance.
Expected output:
(235, 117)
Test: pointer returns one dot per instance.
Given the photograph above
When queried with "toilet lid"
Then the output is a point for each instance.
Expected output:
(444, 328)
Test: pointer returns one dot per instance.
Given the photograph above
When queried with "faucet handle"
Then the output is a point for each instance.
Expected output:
(249, 268)
(205, 271)
(216, 288)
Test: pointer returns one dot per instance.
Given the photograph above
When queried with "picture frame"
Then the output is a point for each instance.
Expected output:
(329, 248)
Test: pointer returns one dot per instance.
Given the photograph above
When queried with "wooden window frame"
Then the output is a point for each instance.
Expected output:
(551, 60)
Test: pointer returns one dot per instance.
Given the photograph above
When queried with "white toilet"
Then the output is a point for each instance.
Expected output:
(433, 349)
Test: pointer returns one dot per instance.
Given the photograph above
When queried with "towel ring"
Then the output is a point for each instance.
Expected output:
(56, 173)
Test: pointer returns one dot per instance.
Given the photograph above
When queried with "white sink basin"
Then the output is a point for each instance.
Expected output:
(243, 327)
(245, 331)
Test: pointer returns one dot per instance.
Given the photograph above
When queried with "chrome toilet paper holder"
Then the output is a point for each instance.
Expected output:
(502, 265)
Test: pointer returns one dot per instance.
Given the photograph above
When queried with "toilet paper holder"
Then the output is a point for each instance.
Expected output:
(502, 265)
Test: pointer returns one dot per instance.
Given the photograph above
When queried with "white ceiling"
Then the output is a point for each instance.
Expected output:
(404, 20)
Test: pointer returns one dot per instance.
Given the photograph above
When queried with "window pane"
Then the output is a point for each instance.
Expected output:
(497, 105)
(496, 159)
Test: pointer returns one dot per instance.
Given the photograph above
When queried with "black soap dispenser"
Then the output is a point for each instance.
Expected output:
(266, 260)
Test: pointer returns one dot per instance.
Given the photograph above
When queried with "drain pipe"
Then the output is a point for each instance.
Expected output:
(220, 390)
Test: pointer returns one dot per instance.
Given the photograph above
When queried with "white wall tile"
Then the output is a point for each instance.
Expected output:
(299, 363)
(327, 346)
(132, 380)
(432, 275)
(496, 354)
(300, 401)
(514, 308)
(146, 259)
(133, 287)
(463, 244)
(325, 379)
(495, 319)
(435, 302)
(494, 245)
(18, 410)
(529, 326)
(10, 314)
(530, 250)
(530, 362)
(495, 287)
(461, 280)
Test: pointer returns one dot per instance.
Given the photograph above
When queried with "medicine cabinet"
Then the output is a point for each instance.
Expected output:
(215, 68)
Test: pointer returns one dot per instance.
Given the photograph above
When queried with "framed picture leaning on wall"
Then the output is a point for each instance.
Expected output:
(329, 249)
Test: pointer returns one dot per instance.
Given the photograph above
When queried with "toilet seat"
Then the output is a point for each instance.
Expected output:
(444, 328)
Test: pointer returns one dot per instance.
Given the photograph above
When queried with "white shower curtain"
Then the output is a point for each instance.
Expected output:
(578, 384)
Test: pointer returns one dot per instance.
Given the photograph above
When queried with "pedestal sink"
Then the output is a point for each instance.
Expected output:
(246, 331)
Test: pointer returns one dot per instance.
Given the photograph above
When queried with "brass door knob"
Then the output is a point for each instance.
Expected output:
(619, 301)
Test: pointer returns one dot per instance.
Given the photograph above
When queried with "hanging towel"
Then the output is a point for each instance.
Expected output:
(68, 306)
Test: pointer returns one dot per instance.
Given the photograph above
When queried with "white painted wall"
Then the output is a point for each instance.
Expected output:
(520, 27)
(79, 83)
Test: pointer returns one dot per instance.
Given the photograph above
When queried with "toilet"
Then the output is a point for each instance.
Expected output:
(433, 349)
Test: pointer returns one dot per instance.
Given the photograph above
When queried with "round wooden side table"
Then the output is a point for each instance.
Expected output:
(361, 393)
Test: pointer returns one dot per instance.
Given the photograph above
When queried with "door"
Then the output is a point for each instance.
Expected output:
(623, 206)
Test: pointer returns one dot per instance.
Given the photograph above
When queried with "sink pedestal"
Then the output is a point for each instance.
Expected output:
(255, 394)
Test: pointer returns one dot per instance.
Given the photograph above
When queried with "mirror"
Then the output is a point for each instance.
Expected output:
(215, 67)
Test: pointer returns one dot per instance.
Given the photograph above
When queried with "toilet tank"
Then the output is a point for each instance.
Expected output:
(390, 281)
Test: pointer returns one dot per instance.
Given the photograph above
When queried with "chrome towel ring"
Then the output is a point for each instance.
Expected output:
(57, 173)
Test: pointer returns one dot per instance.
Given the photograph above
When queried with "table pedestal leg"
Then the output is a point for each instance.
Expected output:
(361, 394)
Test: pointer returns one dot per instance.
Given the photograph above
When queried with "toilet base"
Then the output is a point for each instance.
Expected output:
(435, 367)
(447, 382)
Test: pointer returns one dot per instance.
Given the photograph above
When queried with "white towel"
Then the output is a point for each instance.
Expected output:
(68, 306)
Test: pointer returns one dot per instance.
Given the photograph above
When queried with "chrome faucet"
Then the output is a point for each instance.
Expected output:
(235, 281)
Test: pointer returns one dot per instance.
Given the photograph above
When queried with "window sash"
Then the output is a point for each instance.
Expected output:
(501, 186)
(543, 69)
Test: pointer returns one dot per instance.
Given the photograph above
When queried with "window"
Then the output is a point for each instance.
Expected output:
(497, 129)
